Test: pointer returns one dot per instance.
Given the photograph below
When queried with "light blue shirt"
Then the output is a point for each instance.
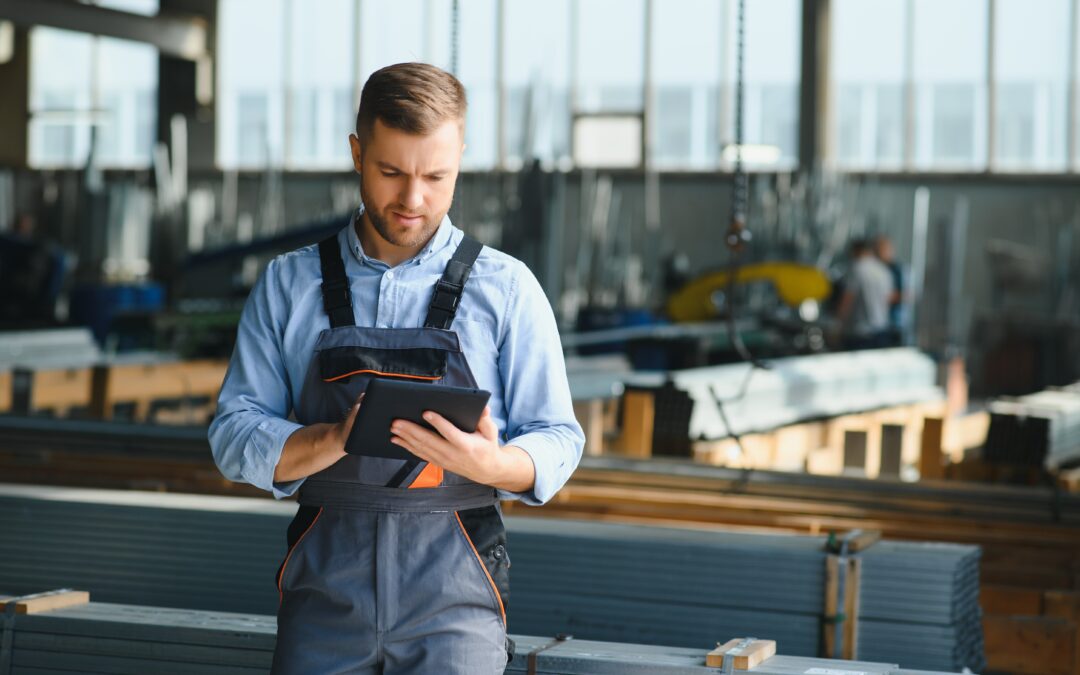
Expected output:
(506, 330)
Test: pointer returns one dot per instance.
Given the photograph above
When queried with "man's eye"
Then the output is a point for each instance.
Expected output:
(390, 174)
(435, 179)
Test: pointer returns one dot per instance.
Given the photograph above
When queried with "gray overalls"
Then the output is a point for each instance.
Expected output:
(392, 566)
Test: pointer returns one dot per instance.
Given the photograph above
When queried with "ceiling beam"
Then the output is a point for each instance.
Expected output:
(181, 36)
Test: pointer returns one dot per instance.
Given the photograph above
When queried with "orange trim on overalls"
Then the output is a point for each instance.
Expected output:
(284, 565)
(430, 477)
(494, 588)
(376, 372)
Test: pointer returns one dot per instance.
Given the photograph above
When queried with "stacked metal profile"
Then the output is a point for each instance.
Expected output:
(1041, 429)
(110, 638)
(799, 388)
(920, 605)
(919, 602)
(604, 581)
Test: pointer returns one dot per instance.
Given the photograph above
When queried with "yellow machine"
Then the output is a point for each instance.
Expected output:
(794, 284)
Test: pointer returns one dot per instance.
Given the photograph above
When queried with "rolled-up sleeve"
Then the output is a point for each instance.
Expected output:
(250, 428)
(540, 412)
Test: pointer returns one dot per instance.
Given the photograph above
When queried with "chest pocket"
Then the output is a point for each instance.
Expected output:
(339, 364)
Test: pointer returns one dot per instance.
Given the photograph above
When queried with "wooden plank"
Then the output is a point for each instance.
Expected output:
(1010, 600)
(832, 592)
(745, 656)
(1030, 645)
(639, 412)
(44, 602)
(851, 608)
(931, 466)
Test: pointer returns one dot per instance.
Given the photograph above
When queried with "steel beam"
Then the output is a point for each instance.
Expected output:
(181, 36)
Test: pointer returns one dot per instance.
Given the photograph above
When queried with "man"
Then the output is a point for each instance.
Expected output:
(864, 306)
(886, 253)
(394, 566)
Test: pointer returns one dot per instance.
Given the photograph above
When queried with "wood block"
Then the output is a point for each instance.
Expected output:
(855, 452)
(892, 445)
(1030, 645)
(930, 465)
(590, 415)
(746, 656)
(638, 421)
(44, 602)
(1062, 604)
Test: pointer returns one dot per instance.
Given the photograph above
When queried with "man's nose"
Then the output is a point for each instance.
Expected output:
(412, 197)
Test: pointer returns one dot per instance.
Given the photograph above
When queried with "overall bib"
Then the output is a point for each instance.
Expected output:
(392, 566)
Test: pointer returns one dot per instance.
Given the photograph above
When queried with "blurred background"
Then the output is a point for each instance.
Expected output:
(825, 245)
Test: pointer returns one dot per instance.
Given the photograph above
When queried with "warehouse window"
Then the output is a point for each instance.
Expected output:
(913, 79)
(537, 81)
(694, 67)
(85, 88)
(289, 74)
(251, 83)
(868, 76)
(949, 67)
(1031, 66)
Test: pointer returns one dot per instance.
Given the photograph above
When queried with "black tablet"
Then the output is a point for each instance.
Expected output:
(386, 400)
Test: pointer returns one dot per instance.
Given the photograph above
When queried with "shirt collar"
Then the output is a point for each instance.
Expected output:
(441, 239)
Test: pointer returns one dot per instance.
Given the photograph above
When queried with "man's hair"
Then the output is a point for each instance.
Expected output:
(859, 247)
(413, 97)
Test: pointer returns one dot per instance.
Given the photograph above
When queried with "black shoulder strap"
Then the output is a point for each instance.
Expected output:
(448, 290)
(337, 299)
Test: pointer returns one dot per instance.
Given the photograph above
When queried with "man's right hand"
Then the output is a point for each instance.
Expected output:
(315, 447)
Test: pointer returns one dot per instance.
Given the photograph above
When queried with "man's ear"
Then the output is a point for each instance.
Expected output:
(357, 152)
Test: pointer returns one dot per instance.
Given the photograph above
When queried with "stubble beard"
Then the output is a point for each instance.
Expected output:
(403, 239)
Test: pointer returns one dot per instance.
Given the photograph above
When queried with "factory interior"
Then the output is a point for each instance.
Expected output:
(814, 266)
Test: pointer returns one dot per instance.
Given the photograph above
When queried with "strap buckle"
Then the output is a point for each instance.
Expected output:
(336, 294)
(446, 296)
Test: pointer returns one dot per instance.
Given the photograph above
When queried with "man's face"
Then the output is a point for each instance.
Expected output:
(407, 180)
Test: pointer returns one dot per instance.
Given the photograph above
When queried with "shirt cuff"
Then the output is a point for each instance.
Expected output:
(263, 452)
(548, 466)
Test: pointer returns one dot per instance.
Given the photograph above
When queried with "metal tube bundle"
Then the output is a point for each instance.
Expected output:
(622, 583)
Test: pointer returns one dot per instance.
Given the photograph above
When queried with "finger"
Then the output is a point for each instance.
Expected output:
(446, 428)
(418, 436)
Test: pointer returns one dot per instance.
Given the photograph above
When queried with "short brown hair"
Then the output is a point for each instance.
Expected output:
(411, 97)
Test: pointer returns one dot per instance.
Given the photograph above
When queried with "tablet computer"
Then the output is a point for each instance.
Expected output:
(386, 400)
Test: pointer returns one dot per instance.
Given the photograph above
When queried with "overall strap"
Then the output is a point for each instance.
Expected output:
(337, 298)
(448, 290)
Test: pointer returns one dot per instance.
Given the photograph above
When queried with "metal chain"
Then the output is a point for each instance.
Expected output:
(737, 235)
(455, 14)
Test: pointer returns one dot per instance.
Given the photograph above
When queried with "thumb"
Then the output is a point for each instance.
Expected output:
(486, 426)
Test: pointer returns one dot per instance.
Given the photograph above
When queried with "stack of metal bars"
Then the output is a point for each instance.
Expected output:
(798, 388)
(675, 586)
(110, 638)
(1041, 429)
(920, 605)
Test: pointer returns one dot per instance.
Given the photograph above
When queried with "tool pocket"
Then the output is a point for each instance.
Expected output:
(301, 525)
(338, 364)
(484, 530)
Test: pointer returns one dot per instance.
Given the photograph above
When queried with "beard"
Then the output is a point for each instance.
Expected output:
(398, 236)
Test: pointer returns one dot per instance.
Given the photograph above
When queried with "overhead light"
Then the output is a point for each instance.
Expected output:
(752, 154)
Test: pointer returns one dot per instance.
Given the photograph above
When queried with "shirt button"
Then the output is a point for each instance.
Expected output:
(389, 275)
